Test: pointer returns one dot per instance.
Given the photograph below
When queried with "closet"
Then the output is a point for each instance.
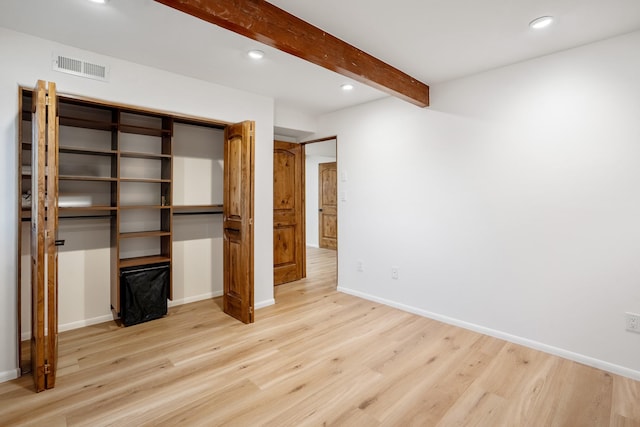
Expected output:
(116, 180)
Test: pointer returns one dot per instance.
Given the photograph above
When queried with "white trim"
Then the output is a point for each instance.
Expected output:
(313, 245)
(73, 325)
(195, 298)
(106, 318)
(85, 322)
(263, 304)
(9, 375)
(576, 357)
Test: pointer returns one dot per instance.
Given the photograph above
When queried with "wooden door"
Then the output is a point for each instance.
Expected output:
(328, 205)
(51, 237)
(288, 213)
(238, 221)
(44, 228)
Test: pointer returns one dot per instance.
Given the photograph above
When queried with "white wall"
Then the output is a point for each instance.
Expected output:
(27, 59)
(292, 119)
(315, 153)
(198, 173)
(510, 206)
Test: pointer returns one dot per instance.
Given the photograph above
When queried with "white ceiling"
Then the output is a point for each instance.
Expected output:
(432, 40)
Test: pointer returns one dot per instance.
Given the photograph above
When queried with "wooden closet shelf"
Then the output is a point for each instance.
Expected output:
(64, 212)
(151, 156)
(87, 208)
(143, 260)
(144, 207)
(139, 234)
(86, 178)
(89, 151)
(147, 180)
(141, 130)
(197, 209)
(87, 123)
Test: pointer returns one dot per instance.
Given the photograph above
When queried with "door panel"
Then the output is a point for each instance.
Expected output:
(238, 221)
(44, 228)
(288, 213)
(285, 268)
(51, 236)
(38, 162)
(284, 254)
(328, 205)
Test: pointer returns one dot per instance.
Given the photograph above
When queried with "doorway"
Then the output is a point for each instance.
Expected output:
(304, 206)
(320, 190)
(320, 219)
(328, 205)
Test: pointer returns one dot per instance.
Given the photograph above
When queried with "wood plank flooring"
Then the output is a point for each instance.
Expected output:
(317, 357)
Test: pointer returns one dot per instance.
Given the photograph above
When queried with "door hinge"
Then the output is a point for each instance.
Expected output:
(250, 310)
(46, 100)
(47, 369)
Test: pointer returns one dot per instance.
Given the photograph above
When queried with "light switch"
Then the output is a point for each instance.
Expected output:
(343, 176)
(343, 196)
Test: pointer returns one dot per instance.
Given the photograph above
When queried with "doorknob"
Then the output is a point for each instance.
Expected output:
(319, 210)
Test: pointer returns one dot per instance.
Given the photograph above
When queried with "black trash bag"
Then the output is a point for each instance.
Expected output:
(143, 293)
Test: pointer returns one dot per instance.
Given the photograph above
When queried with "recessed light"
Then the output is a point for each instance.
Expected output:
(256, 54)
(99, 1)
(347, 87)
(541, 22)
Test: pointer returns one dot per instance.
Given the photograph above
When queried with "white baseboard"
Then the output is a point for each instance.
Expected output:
(9, 375)
(313, 246)
(108, 317)
(263, 304)
(85, 322)
(73, 325)
(576, 357)
(195, 298)
(216, 294)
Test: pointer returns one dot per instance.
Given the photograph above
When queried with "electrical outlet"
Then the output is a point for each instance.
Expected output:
(395, 273)
(360, 266)
(633, 322)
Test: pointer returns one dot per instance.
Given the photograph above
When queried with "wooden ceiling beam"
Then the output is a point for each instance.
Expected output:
(268, 24)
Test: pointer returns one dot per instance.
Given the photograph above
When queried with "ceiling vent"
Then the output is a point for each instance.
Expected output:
(81, 68)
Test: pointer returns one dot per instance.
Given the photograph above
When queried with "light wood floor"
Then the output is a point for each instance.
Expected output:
(317, 357)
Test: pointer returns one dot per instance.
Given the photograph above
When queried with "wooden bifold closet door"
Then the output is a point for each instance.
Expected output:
(239, 165)
(44, 228)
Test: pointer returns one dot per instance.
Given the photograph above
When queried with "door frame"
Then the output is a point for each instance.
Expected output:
(304, 189)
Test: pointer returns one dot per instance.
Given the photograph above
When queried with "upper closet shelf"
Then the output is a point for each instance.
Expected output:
(142, 130)
(87, 123)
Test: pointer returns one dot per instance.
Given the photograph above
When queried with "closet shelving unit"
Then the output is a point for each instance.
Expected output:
(116, 163)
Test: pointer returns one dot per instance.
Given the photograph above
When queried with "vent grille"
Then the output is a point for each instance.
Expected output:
(81, 68)
(69, 64)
